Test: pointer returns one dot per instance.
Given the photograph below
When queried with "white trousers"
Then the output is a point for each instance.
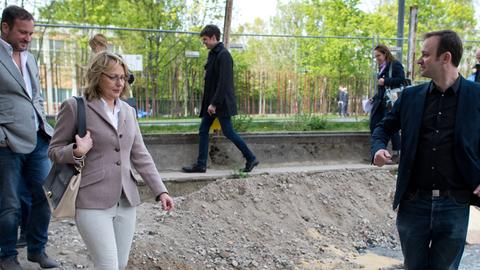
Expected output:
(108, 234)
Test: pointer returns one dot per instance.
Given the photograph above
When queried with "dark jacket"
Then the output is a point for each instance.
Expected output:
(407, 116)
(378, 107)
(219, 89)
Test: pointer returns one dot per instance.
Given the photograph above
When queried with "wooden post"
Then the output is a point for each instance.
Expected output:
(227, 23)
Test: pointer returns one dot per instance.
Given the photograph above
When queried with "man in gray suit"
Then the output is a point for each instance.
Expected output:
(24, 138)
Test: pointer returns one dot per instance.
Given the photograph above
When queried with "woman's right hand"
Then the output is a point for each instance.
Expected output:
(381, 81)
(83, 145)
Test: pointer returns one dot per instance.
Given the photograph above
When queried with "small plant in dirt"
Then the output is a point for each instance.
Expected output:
(239, 174)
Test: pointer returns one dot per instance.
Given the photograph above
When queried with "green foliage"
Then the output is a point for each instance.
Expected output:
(305, 122)
(317, 123)
(241, 123)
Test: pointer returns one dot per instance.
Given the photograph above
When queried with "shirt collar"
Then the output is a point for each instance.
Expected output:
(105, 106)
(7, 46)
(9, 50)
(455, 86)
(218, 47)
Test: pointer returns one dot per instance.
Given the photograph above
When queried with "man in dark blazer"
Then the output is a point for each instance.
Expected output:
(218, 101)
(24, 138)
(439, 170)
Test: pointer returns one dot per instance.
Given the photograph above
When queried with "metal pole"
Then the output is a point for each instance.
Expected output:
(400, 23)
(412, 37)
(227, 23)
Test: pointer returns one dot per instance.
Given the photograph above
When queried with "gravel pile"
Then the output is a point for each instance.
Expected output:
(319, 220)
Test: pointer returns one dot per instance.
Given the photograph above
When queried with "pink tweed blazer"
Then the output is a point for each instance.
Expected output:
(108, 165)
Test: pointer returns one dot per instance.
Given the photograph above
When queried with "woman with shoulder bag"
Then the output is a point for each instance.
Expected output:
(390, 75)
(108, 196)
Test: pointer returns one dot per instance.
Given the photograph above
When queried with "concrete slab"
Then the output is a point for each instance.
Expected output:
(180, 183)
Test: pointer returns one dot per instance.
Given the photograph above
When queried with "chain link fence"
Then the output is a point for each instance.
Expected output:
(274, 74)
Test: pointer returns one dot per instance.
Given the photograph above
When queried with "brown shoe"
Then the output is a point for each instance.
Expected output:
(10, 263)
(43, 260)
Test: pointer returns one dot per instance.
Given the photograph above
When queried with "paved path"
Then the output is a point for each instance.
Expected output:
(212, 174)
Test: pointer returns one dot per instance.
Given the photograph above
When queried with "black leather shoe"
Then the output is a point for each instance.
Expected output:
(194, 169)
(10, 263)
(43, 260)
(250, 164)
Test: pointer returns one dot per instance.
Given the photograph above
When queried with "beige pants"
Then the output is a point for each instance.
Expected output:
(108, 234)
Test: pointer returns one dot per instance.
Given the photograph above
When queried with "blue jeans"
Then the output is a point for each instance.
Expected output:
(228, 131)
(432, 231)
(31, 170)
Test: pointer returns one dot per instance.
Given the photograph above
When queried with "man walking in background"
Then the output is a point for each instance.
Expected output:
(342, 100)
(439, 169)
(218, 101)
(24, 138)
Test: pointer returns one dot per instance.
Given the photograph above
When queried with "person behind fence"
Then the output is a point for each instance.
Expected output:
(342, 100)
(439, 170)
(24, 138)
(390, 75)
(218, 101)
(99, 43)
(108, 195)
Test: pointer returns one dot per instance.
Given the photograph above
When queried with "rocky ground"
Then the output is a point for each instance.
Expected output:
(325, 220)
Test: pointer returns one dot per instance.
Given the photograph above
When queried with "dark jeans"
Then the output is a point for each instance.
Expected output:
(26, 202)
(228, 131)
(32, 169)
(432, 231)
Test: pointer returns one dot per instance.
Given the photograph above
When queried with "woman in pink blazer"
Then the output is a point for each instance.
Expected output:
(108, 195)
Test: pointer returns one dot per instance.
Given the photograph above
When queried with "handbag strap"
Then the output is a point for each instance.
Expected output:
(82, 125)
(390, 69)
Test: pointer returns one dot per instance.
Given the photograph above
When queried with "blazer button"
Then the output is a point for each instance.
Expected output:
(117, 150)
(121, 135)
(118, 163)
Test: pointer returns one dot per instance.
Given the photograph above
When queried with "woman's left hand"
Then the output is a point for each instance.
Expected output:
(167, 201)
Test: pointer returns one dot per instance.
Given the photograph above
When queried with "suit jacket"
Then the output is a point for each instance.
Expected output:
(407, 116)
(17, 120)
(108, 165)
(219, 87)
(378, 107)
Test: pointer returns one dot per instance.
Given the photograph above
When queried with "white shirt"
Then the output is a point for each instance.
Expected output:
(112, 115)
(23, 70)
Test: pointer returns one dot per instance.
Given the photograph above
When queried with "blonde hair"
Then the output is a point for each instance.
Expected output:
(98, 43)
(100, 64)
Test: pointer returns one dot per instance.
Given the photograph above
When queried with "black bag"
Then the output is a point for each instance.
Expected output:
(59, 176)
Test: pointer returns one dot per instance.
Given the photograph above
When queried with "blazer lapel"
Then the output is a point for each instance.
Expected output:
(97, 106)
(33, 76)
(6, 60)
(122, 117)
(416, 109)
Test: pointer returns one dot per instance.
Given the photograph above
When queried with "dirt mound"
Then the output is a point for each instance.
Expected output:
(291, 221)
(317, 221)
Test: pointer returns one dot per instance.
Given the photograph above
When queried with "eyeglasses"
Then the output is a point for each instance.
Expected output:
(116, 78)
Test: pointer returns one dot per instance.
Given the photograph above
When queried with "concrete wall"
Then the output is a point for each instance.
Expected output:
(171, 152)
